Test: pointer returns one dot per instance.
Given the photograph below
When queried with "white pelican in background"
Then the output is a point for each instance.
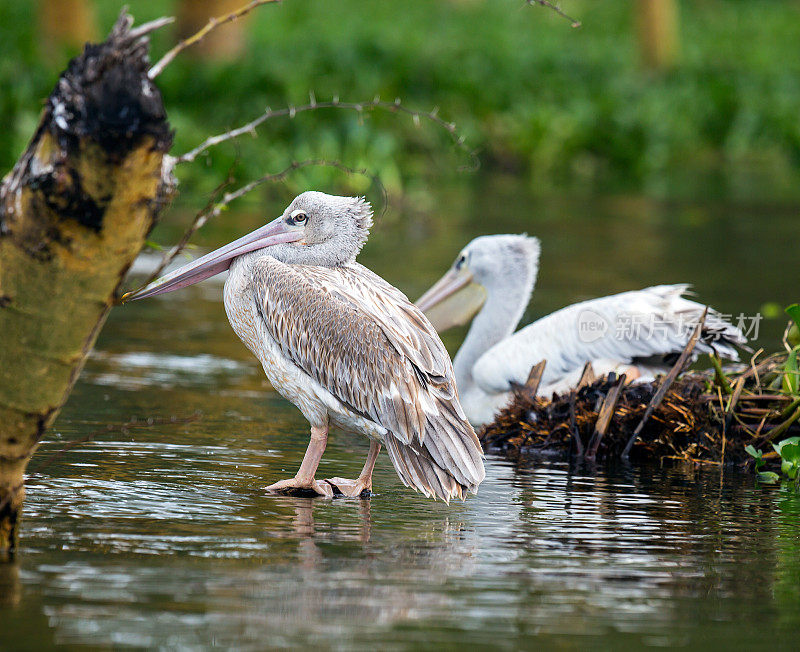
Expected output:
(639, 333)
(344, 346)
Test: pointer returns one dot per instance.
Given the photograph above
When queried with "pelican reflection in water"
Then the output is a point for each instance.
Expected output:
(493, 277)
(344, 346)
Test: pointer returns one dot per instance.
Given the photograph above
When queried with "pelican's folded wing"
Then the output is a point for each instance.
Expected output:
(376, 352)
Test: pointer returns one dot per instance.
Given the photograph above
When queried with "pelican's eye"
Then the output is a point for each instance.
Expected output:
(299, 217)
(460, 262)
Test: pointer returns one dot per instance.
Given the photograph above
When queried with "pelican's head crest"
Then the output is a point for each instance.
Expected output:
(493, 258)
(334, 228)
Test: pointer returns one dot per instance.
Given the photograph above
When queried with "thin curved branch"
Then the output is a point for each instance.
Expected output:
(550, 5)
(152, 26)
(290, 111)
(210, 26)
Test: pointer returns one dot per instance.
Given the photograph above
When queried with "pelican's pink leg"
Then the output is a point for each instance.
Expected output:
(354, 488)
(304, 478)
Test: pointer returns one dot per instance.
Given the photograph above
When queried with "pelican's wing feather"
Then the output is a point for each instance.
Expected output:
(621, 328)
(375, 351)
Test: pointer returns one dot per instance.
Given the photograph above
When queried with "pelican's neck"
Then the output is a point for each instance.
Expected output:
(497, 320)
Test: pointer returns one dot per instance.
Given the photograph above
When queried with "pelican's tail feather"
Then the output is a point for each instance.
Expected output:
(718, 334)
(448, 463)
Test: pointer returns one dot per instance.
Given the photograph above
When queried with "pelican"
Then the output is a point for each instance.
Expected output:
(639, 332)
(346, 347)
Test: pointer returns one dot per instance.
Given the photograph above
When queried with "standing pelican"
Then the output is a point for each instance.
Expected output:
(639, 332)
(344, 346)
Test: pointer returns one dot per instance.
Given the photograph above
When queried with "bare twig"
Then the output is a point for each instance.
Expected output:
(280, 176)
(213, 208)
(152, 26)
(754, 368)
(573, 424)
(587, 376)
(666, 383)
(335, 103)
(604, 419)
(531, 386)
(783, 427)
(765, 397)
(550, 5)
(730, 414)
(785, 338)
(212, 24)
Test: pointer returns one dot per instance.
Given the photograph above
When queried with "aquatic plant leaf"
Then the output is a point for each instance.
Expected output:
(789, 469)
(756, 454)
(794, 312)
(768, 477)
(793, 336)
(791, 375)
(789, 450)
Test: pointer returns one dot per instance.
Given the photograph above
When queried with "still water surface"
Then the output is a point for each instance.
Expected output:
(163, 536)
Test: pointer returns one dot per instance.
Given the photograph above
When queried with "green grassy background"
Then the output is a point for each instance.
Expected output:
(571, 109)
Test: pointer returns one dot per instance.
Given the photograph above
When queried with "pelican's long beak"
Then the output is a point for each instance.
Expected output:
(276, 232)
(453, 300)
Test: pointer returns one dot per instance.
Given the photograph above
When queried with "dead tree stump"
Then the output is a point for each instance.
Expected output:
(74, 213)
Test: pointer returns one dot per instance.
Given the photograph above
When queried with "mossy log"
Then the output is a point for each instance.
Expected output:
(74, 213)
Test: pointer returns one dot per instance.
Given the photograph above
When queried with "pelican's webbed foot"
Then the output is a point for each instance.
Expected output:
(361, 487)
(302, 488)
(358, 488)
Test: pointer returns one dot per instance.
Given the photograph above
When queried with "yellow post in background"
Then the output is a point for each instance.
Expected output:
(657, 28)
(66, 24)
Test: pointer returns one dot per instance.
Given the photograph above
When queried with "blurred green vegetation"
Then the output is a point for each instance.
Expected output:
(571, 108)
